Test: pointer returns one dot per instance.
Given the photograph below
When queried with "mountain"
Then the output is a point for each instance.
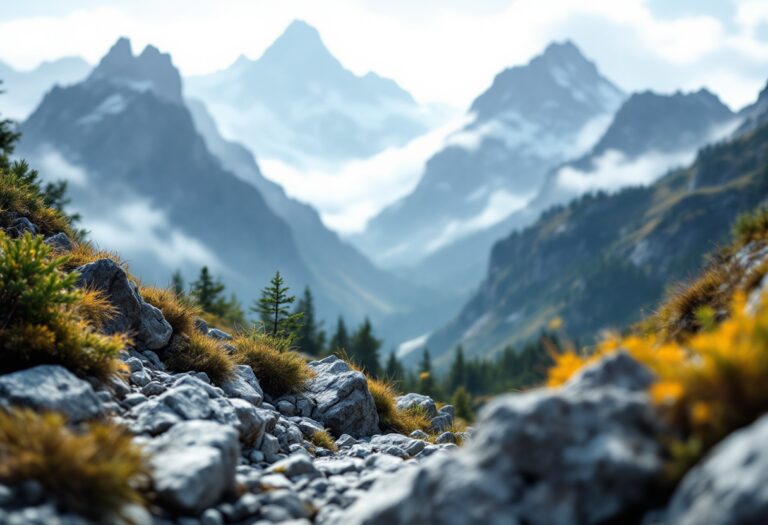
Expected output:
(649, 135)
(755, 114)
(25, 89)
(602, 260)
(532, 118)
(146, 183)
(298, 102)
(398, 310)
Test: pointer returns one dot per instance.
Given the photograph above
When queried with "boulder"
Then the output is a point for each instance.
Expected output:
(194, 465)
(550, 457)
(142, 320)
(417, 400)
(59, 242)
(730, 487)
(244, 385)
(343, 402)
(50, 388)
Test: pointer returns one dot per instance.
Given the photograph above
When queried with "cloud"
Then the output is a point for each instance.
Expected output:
(444, 51)
(55, 167)
(350, 194)
(613, 170)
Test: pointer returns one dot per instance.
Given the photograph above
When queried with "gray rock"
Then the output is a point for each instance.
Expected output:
(251, 424)
(617, 370)
(294, 466)
(418, 400)
(441, 423)
(201, 326)
(20, 226)
(270, 446)
(220, 335)
(59, 242)
(153, 388)
(556, 457)
(134, 315)
(345, 440)
(244, 385)
(194, 465)
(409, 445)
(730, 487)
(50, 388)
(446, 437)
(140, 378)
(211, 517)
(343, 401)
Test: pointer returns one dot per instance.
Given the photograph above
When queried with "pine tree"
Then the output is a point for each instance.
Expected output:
(426, 379)
(462, 403)
(272, 307)
(457, 375)
(8, 138)
(207, 291)
(340, 340)
(177, 283)
(394, 369)
(365, 349)
(310, 336)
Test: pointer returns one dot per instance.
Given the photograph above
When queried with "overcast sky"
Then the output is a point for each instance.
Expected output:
(439, 50)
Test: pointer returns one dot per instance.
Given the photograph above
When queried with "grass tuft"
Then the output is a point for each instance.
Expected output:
(322, 438)
(95, 471)
(180, 313)
(280, 370)
(45, 318)
(751, 227)
(20, 195)
(392, 419)
(196, 352)
(84, 252)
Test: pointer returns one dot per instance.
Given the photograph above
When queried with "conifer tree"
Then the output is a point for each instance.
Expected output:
(273, 309)
(310, 336)
(177, 283)
(394, 369)
(8, 138)
(457, 374)
(340, 340)
(426, 379)
(365, 349)
(207, 291)
(462, 403)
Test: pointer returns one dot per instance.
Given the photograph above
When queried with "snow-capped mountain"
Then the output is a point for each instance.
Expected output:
(531, 119)
(145, 182)
(23, 90)
(298, 104)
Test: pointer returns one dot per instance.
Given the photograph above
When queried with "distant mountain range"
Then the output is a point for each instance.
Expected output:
(299, 104)
(169, 192)
(532, 118)
(600, 261)
(25, 89)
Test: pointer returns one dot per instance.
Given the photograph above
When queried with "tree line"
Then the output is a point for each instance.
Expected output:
(466, 384)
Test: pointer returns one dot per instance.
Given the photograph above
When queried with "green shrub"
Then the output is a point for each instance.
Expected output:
(196, 352)
(280, 370)
(95, 471)
(750, 227)
(44, 318)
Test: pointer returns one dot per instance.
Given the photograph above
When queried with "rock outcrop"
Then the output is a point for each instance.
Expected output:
(343, 401)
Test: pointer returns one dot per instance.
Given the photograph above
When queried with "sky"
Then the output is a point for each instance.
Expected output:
(440, 50)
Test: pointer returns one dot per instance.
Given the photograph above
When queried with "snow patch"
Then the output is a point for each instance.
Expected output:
(407, 347)
(112, 105)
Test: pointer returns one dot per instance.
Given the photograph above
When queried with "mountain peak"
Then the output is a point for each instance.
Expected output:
(151, 70)
(298, 46)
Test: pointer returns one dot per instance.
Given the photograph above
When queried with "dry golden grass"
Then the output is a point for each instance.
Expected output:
(94, 472)
(196, 352)
(679, 317)
(322, 438)
(180, 313)
(84, 252)
(45, 319)
(280, 370)
(19, 197)
(392, 419)
(96, 308)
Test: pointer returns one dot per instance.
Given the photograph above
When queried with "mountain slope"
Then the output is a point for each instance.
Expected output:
(531, 119)
(297, 102)
(399, 310)
(25, 89)
(146, 183)
(649, 135)
(598, 262)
